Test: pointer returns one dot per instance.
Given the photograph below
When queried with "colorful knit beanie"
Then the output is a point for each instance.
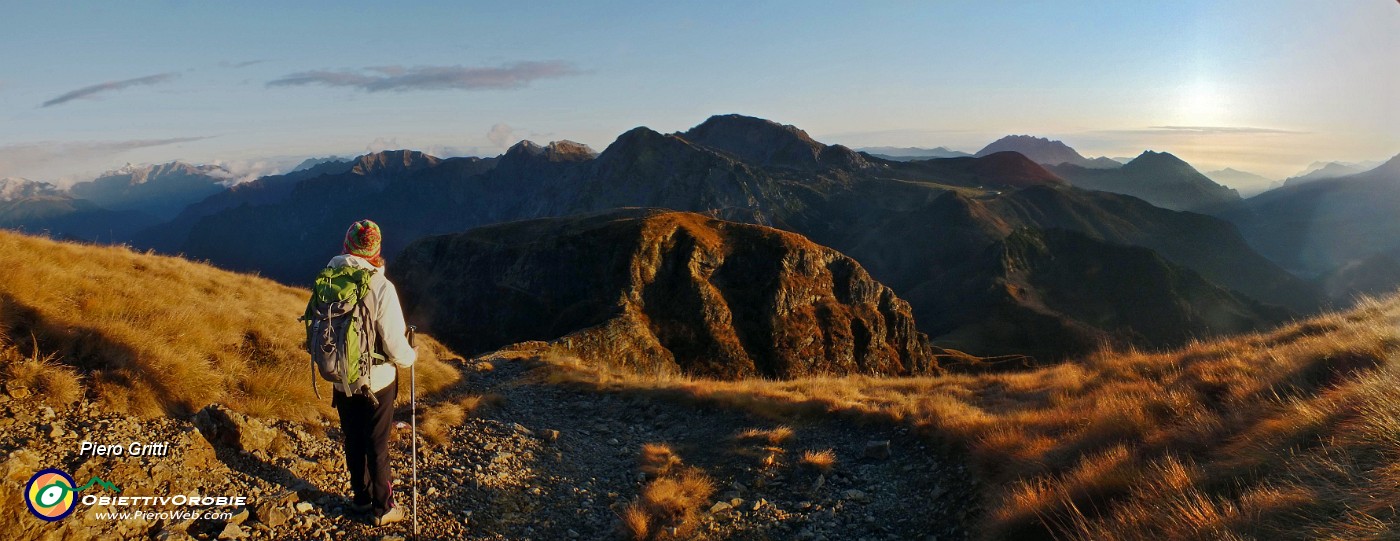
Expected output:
(363, 239)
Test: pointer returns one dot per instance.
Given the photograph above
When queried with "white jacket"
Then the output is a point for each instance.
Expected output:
(389, 324)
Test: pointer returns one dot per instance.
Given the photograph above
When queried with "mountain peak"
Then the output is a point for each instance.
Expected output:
(763, 142)
(1038, 149)
(314, 161)
(140, 174)
(741, 125)
(555, 151)
(1153, 157)
(634, 140)
(393, 161)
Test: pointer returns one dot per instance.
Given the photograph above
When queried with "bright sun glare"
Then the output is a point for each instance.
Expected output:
(1202, 103)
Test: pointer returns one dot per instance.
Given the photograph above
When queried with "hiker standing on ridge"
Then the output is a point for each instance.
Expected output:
(364, 398)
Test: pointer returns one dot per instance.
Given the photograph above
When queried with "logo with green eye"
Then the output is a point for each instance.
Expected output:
(52, 495)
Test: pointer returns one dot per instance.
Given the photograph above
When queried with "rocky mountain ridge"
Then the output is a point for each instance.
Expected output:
(663, 292)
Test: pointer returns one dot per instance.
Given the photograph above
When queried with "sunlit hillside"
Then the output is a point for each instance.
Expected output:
(1292, 434)
(152, 335)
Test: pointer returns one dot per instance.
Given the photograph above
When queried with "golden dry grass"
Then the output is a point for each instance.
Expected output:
(1289, 434)
(670, 503)
(773, 436)
(636, 523)
(658, 459)
(437, 419)
(153, 335)
(40, 376)
(822, 461)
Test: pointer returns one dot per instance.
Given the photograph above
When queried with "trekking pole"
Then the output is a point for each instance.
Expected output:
(413, 408)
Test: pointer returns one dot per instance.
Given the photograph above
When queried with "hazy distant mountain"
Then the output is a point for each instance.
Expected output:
(1361, 166)
(19, 188)
(159, 190)
(41, 208)
(993, 171)
(1157, 177)
(1044, 151)
(1320, 226)
(912, 225)
(321, 162)
(1376, 276)
(904, 154)
(1246, 183)
(1326, 170)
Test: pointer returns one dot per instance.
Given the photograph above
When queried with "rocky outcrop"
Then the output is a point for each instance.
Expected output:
(662, 292)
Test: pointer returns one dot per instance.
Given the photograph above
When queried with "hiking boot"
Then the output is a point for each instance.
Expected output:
(361, 507)
(394, 514)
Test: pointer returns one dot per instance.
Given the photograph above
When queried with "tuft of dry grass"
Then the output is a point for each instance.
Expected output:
(153, 335)
(773, 436)
(669, 505)
(658, 459)
(1289, 434)
(437, 420)
(822, 461)
(39, 376)
(636, 522)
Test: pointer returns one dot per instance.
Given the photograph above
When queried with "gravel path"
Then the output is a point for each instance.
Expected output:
(506, 474)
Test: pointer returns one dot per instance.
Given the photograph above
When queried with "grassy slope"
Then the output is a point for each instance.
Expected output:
(153, 335)
(1291, 434)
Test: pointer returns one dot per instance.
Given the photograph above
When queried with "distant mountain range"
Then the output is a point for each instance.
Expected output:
(904, 154)
(112, 207)
(1045, 152)
(995, 254)
(1246, 183)
(1318, 227)
(1157, 177)
(161, 190)
(16, 189)
(42, 208)
(1325, 170)
(921, 227)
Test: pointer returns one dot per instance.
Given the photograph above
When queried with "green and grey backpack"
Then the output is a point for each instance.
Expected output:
(339, 330)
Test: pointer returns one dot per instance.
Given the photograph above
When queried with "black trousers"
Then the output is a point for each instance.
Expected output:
(366, 429)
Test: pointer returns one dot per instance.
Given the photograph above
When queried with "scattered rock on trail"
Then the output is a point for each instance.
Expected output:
(233, 531)
(877, 449)
(223, 426)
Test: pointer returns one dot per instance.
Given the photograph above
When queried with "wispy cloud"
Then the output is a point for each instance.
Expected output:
(400, 78)
(1222, 129)
(1202, 130)
(243, 64)
(37, 158)
(501, 135)
(109, 86)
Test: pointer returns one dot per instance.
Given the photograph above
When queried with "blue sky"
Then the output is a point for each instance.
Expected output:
(1262, 86)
